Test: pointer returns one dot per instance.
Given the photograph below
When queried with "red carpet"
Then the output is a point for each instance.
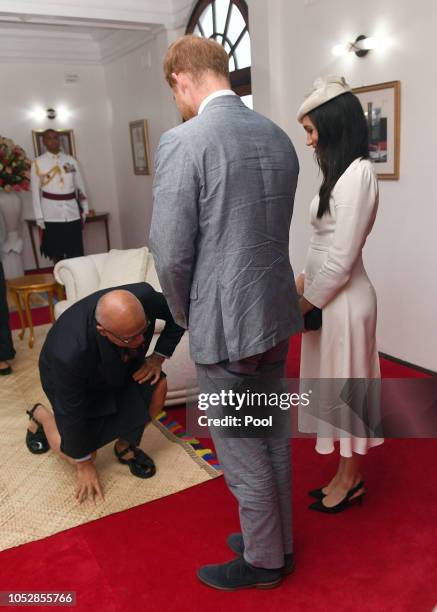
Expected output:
(40, 316)
(381, 557)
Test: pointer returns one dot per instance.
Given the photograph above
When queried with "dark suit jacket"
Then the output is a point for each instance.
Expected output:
(81, 370)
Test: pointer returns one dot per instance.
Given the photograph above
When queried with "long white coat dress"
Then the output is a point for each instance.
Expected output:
(336, 282)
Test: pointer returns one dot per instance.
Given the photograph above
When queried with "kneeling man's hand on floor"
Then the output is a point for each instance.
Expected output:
(88, 482)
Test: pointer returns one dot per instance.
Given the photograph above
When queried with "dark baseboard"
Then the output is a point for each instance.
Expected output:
(47, 270)
(408, 364)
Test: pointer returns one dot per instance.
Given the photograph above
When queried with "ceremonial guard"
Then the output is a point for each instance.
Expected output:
(59, 200)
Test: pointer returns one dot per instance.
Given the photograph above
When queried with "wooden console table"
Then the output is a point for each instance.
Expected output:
(103, 217)
(22, 288)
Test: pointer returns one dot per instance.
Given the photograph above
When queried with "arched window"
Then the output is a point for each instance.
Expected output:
(227, 22)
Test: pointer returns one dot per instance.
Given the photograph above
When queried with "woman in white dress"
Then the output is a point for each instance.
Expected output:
(335, 281)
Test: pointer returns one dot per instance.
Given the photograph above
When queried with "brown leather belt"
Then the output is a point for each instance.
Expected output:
(58, 196)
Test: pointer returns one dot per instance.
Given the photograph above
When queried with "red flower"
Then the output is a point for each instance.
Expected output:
(14, 166)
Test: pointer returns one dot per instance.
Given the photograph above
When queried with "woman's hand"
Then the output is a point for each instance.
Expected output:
(300, 284)
(305, 306)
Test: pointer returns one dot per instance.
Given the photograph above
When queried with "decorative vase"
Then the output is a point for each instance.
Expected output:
(11, 208)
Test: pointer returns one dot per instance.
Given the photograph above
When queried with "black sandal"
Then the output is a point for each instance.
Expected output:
(142, 458)
(141, 465)
(36, 442)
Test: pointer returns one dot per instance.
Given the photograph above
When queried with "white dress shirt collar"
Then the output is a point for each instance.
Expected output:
(53, 156)
(215, 94)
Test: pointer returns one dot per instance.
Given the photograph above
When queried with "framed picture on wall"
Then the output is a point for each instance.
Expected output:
(66, 139)
(382, 107)
(140, 146)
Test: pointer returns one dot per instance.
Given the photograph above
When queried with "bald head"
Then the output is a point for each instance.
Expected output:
(120, 312)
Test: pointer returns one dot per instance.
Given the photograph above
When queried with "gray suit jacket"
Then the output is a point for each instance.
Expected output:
(223, 201)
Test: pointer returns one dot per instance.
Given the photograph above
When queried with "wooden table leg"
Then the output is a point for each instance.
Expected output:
(32, 241)
(108, 244)
(17, 301)
(50, 300)
(60, 292)
(29, 317)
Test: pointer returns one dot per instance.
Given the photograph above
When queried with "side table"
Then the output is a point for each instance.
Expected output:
(22, 288)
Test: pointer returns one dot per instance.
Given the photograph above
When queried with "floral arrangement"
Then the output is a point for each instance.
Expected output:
(14, 167)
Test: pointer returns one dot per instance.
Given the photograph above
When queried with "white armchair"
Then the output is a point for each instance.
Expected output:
(83, 275)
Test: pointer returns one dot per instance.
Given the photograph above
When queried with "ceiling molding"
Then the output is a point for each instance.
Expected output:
(49, 33)
(129, 11)
(65, 45)
(84, 31)
(115, 47)
(51, 49)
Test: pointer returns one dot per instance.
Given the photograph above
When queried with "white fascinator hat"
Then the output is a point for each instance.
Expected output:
(324, 89)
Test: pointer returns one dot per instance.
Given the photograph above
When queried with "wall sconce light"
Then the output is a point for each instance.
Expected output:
(361, 46)
(63, 113)
(40, 114)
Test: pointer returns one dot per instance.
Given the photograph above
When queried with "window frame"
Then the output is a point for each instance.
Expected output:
(241, 80)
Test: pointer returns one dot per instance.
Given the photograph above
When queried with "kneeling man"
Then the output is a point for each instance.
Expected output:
(100, 384)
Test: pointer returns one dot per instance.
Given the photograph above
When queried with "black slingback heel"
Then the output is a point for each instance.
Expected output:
(346, 502)
(36, 442)
(318, 493)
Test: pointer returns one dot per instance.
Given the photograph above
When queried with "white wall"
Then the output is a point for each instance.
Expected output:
(137, 90)
(291, 46)
(27, 85)
(103, 103)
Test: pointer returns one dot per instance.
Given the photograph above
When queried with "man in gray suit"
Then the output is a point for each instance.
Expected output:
(223, 201)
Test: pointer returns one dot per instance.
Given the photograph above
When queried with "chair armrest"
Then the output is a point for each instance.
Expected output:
(79, 275)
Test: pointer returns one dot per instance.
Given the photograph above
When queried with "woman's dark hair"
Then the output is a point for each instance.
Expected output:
(343, 137)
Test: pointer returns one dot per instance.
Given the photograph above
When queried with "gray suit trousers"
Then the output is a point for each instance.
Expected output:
(257, 469)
